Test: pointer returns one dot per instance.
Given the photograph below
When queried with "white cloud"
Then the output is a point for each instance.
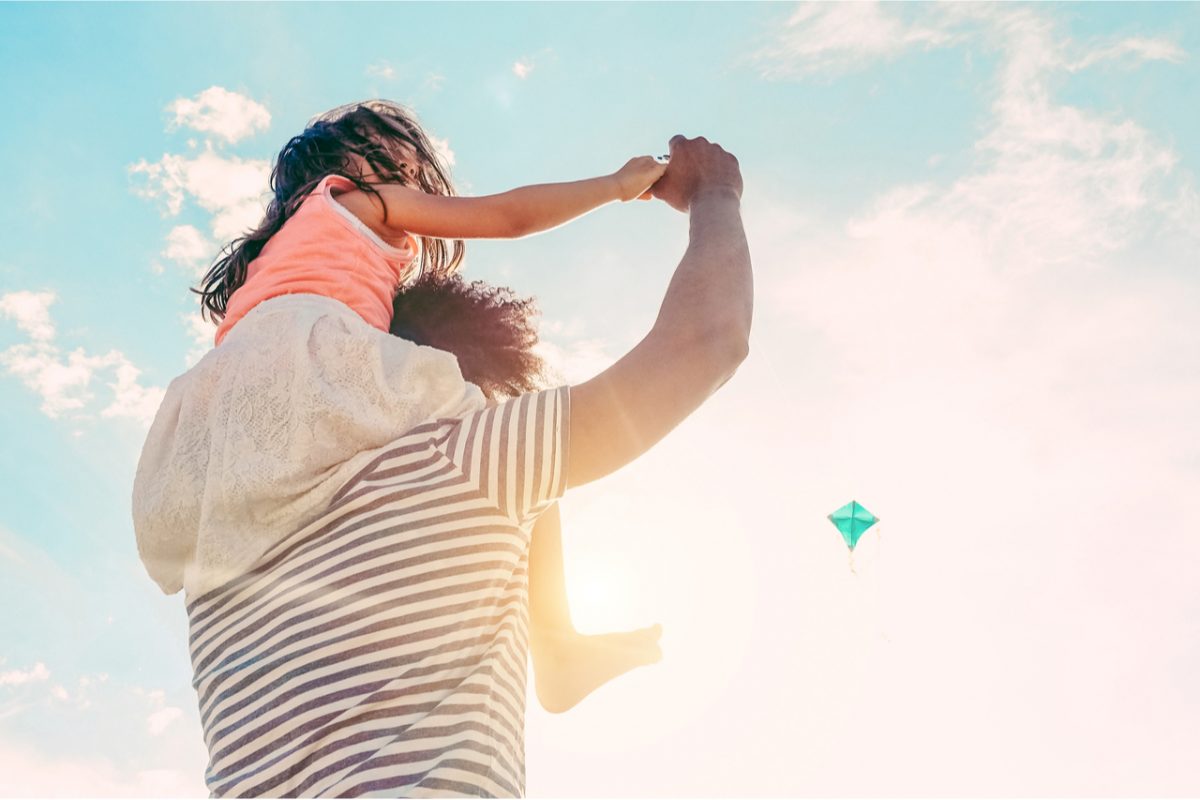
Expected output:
(234, 190)
(1000, 365)
(158, 721)
(381, 69)
(442, 148)
(834, 38)
(31, 311)
(163, 715)
(95, 738)
(31, 773)
(201, 333)
(572, 358)
(218, 111)
(166, 179)
(1057, 191)
(433, 81)
(190, 248)
(522, 68)
(18, 677)
(63, 380)
(839, 37)
(130, 398)
(1140, 48)
(556, 327)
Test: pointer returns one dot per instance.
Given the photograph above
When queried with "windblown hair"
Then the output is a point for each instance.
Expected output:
(488, 328)
(372, 130)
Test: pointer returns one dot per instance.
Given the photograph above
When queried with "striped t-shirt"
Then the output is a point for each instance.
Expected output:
(381, 650)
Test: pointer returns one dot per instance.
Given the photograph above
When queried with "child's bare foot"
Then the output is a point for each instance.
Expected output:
(573, 665)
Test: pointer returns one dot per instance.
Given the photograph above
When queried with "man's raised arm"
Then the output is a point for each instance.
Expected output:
(701, 334)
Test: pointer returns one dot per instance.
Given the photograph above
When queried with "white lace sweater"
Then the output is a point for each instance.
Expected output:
(252, 442)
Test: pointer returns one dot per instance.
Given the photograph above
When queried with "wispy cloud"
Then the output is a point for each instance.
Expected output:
(130, 398)
(93, 713)
(23, 690)
(162, 714)
(381, 69)
(1005, 359)
(834, 38)
(190, 249)
(224, 114)
(829, 39)
(442, 148)
(1135, 48)
(200, 333)
(522, 68)
(16, 677)
(64, 380)
(31, 312)
(1057, 191)
(572, 357)
(234, 190)
(31, 773)
(505, 86)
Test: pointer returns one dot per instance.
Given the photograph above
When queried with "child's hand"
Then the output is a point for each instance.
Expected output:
(637, 176)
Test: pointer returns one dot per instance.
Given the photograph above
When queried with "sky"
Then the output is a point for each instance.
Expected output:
(974, 231)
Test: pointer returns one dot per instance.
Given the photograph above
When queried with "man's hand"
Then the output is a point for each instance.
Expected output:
(635, 178)
(696, 165)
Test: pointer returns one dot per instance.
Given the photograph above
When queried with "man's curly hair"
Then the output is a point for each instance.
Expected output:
(489, 329)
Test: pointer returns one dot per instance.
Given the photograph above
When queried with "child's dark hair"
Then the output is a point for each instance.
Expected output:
(487, 328)
(374, 131)
(490, 330)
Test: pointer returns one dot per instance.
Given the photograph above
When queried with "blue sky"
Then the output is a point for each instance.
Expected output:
(974, 231)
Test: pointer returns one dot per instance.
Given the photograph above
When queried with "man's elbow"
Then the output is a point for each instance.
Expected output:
(739, 349)
(726, 348)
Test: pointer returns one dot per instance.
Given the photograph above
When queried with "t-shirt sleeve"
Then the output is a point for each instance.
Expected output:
(516, 451)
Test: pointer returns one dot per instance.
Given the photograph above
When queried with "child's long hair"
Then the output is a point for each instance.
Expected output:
(374, 131)
(487, 328)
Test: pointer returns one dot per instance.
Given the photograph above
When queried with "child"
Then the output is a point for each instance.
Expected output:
(305, 384)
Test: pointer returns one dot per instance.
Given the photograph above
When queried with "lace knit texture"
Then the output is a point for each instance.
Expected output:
(252, 442)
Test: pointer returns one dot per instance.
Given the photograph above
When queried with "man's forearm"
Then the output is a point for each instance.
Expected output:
(547, 205)
(712, 291)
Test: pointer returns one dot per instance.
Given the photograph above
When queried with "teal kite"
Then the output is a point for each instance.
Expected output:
(852, 520)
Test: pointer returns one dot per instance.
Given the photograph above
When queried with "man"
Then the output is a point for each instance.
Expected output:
(382, 648)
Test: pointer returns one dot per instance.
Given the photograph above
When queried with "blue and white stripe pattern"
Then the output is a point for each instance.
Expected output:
(381, 650)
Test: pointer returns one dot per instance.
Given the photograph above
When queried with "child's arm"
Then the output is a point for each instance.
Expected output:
(513, 214)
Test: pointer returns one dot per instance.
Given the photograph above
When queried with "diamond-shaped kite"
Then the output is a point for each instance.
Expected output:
(852, 520)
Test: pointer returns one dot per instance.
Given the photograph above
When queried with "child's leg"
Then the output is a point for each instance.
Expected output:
(548, 607)
(567, 665)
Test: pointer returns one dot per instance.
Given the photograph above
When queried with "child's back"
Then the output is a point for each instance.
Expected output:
(324, 249)
(305, 385)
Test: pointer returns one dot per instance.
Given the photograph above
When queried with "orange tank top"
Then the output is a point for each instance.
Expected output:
(324, 249)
